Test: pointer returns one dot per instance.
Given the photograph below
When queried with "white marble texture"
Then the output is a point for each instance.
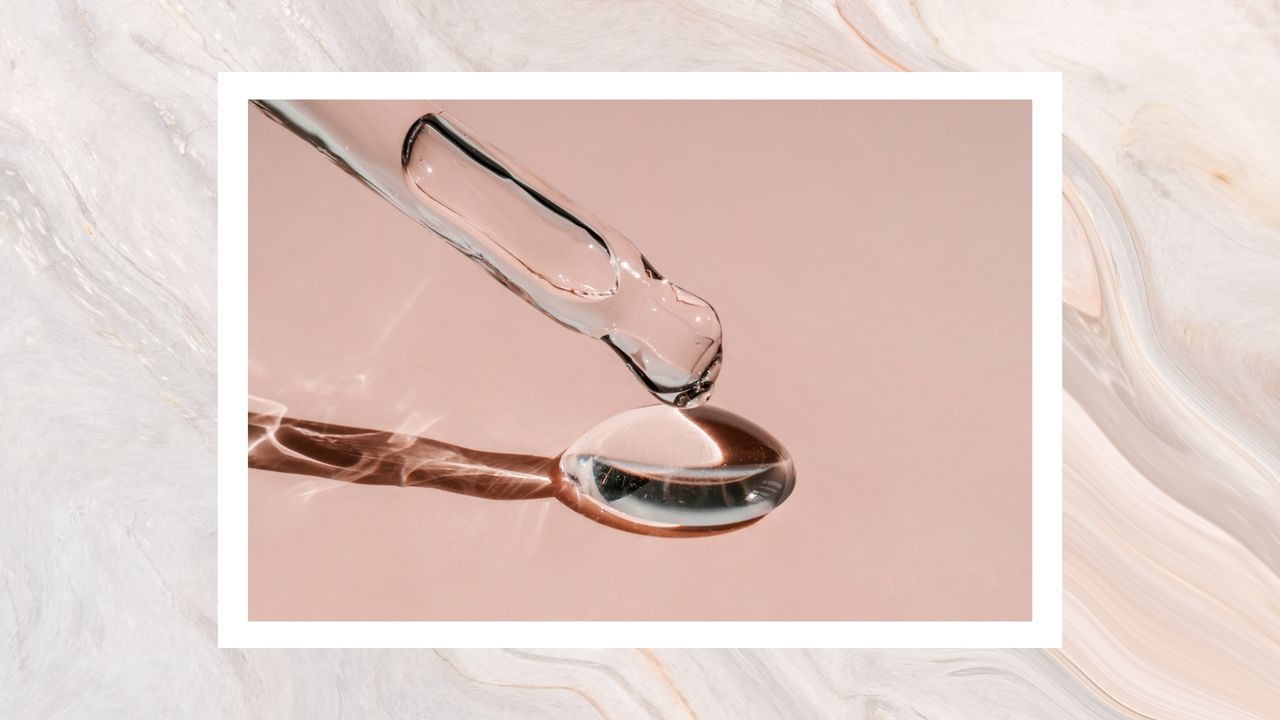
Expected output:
(1172, 358)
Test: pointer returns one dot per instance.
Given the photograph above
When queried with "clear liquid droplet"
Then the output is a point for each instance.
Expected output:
(693, 468)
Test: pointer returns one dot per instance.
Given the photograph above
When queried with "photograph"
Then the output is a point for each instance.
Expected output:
(639, 360)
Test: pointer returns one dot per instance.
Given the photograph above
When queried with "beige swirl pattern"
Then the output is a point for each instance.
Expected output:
(1171, 310)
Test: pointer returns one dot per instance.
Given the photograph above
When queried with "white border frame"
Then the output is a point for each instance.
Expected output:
(1044, 90)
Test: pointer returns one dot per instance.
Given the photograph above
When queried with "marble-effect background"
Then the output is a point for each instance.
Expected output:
(1171, 358)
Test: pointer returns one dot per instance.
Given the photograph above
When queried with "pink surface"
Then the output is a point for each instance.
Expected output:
(870, 262)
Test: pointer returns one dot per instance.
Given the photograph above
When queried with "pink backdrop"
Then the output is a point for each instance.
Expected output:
(870, 262)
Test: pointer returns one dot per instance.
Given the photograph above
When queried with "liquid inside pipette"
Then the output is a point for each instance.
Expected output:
(576, 270)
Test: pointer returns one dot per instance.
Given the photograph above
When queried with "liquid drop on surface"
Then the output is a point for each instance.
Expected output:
(696, 468)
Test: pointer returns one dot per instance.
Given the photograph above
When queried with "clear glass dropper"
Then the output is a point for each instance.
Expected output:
(566, 263)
